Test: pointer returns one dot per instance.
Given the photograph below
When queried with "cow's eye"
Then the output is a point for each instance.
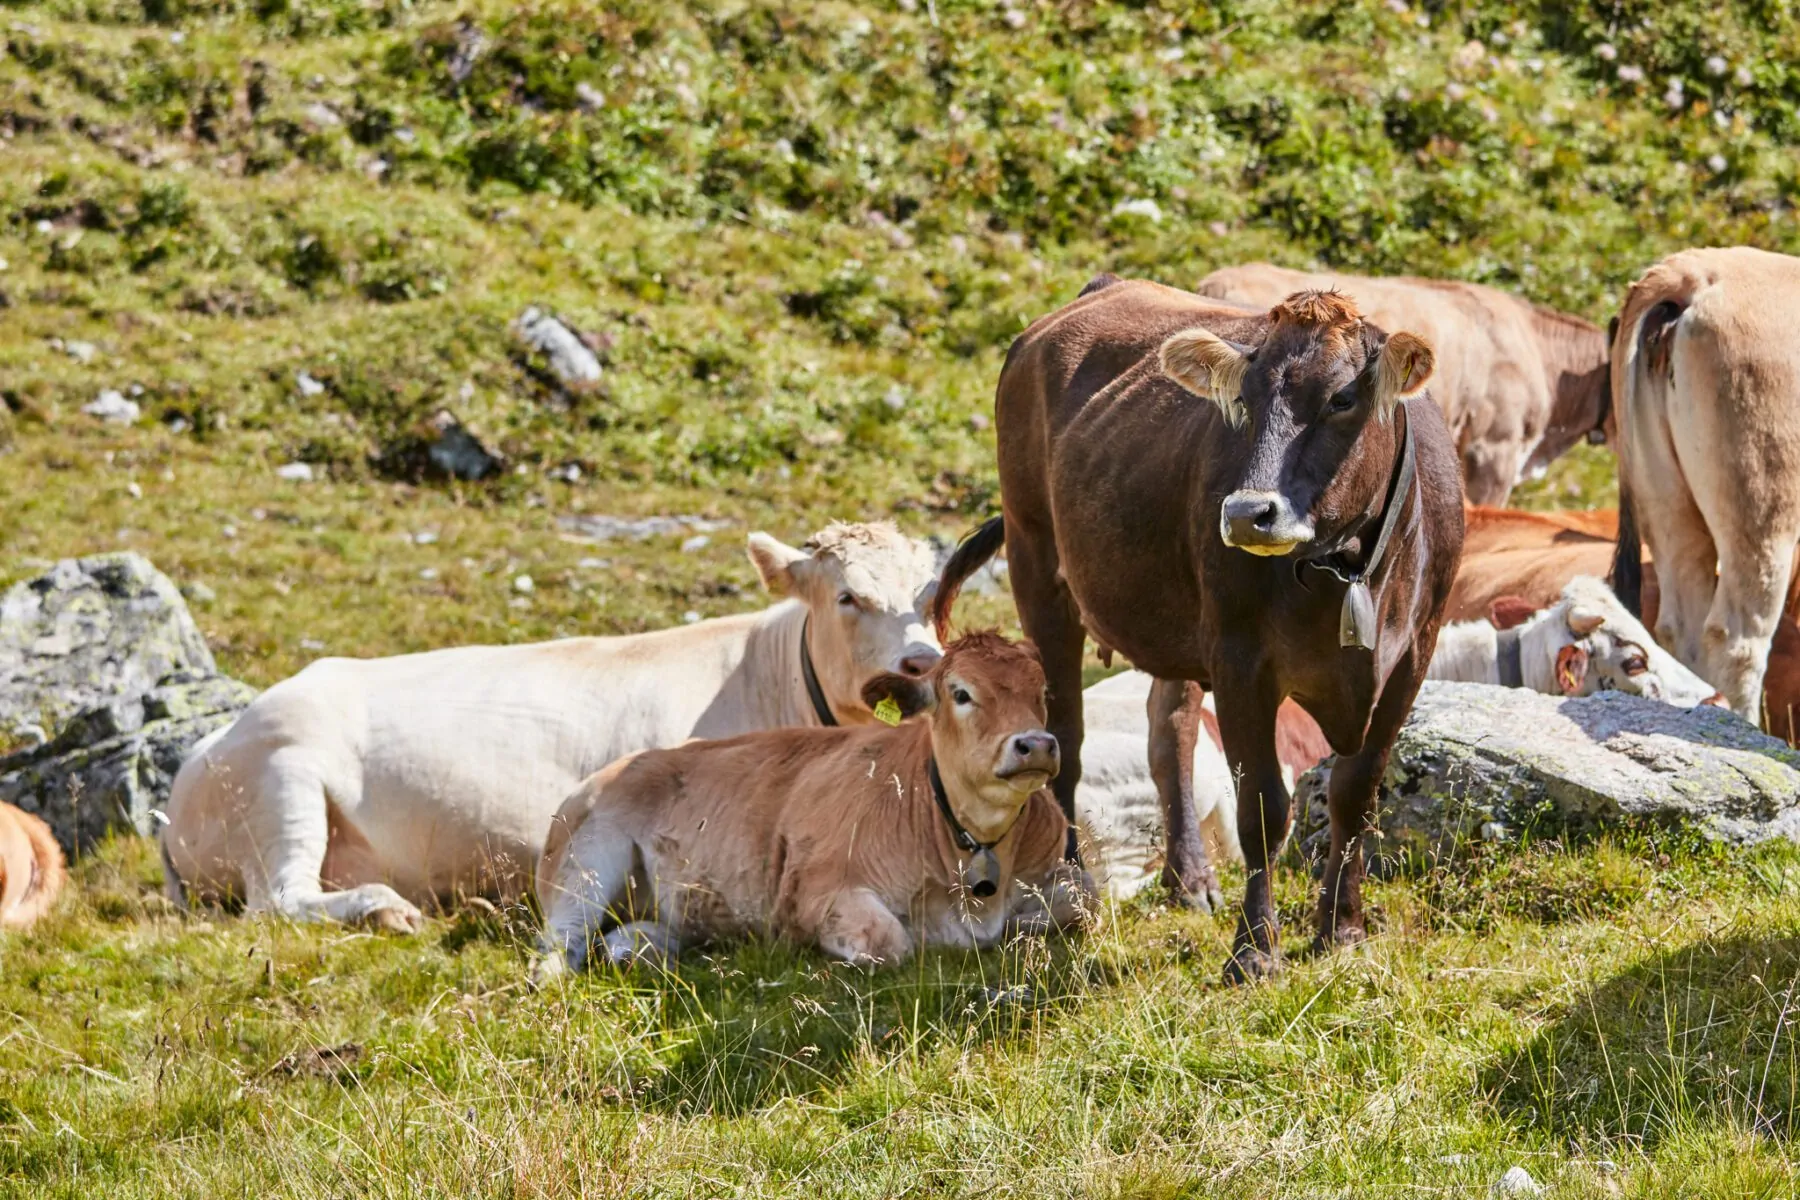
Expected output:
(1636, 665)
(1342, 402)
(847, 599)
(961, 695)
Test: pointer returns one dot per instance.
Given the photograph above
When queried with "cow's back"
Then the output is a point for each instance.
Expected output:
(445, 758)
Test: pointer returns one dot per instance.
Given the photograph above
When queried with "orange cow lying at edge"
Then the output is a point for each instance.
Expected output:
(1531, 556)
(863, 840)
(31, 868)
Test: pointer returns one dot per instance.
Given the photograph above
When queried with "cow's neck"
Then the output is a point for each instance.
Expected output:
(769, 680)
(1576, 370)
(1469, 652)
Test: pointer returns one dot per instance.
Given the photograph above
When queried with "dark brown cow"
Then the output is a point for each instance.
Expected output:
(1208, 540)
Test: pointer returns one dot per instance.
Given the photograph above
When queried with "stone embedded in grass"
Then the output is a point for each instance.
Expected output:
(112, 407)
(1493, 763)
(295, 472)
(598, 528)
(695, 544)
(570, 361)
(1517, 1182)
(307, 384)
(524, 584)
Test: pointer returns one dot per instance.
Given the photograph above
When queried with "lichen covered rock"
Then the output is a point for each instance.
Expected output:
(103, 652)
(1490, 763)
(90, 631)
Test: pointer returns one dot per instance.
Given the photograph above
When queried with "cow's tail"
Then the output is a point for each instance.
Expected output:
(1628, 558)
(1643, 339)
(970, 555)
(48, 870)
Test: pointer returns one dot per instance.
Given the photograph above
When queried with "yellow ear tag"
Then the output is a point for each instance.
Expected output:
(888, 711)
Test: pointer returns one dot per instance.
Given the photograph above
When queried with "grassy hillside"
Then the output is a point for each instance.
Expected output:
(798, 237)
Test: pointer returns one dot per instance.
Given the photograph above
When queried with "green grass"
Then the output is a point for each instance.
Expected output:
(800, 237)
(1634, 1041)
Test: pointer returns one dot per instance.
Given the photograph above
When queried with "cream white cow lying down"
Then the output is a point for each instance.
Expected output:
(1585, 643)
(358, 790)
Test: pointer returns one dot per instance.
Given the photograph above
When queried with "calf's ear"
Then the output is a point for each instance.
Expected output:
(1208, 365)
(912, 696)
(774, 561)
(1571, 669)
(1509, 612)
(1402, 370)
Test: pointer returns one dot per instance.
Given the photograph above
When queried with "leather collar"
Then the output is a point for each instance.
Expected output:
(814, 692)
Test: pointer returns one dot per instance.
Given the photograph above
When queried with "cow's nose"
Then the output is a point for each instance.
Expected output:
(1255, 510)
(1035, 747)
(1261, 522)
(918, 661)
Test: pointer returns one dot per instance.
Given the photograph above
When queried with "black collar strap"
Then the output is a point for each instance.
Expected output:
(1507, 643)
(814, 692)
(981, 873)
(1357, 619)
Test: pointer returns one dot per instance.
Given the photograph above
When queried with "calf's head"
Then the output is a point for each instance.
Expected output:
(985, 698)
(1316, 399)
(867, 589)
(1588, 642)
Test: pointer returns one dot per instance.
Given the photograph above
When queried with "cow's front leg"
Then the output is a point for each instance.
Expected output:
(1350, 801)
(857, 927)
(1247, 727)
(1174, 709)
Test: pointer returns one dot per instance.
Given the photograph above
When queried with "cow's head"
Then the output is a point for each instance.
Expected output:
(985, 698)
(1587, 642)
(1317, 398)
(867, 589)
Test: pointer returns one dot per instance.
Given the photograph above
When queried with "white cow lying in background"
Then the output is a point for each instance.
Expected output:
(1584, 643)
(360, 789)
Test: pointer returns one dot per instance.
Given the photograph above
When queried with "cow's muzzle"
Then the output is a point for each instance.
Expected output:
(1030, 760)
(1262, 523)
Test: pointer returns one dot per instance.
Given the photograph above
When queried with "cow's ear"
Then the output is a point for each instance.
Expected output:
(1509, 612)
(774, 561)
(1402, 370)
(1208, 365)
(1571, 669)
(910, 695)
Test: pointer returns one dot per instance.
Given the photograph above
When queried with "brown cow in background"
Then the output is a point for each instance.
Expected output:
(31, 868)
(1205, 489)
(1518, 383)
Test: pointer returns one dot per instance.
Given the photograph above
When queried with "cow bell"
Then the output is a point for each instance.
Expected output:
(1356, 620)
(981, 873)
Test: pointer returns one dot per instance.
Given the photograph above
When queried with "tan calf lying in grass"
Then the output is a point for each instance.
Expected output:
(867, 841)
(360, 789)
(31, 868)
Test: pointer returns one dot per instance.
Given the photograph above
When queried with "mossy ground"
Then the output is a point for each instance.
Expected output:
(799, 238)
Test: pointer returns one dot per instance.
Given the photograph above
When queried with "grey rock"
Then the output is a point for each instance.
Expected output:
(573, 364)
(112, 766)
(459, 453)
(1517, 1182)
(90, 631)
(1475, 761)
(597, 528)
(113, 407)
(104, 651)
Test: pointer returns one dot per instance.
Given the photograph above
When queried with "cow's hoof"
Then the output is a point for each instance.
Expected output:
(395, 920)
(1200, 899)
(1250, 965)
(549, 968)
(1342, 938)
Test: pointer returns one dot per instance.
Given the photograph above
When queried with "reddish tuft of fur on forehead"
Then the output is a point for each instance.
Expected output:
(985, 649)
(1332, 309)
